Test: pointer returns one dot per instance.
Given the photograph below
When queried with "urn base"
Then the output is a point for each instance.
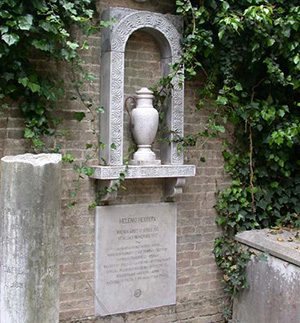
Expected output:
(144, 156)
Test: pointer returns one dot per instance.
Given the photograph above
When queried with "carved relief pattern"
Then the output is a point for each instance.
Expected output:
(107, 172)
(134, 21)
(116, 108)
(177, 120)
(120, 33)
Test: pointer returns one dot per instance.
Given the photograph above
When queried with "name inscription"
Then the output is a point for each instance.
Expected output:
(135, 257)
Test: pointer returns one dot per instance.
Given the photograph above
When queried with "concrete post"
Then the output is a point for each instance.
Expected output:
(29, 238)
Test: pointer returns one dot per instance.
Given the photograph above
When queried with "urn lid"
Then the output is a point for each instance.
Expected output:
(144, 93)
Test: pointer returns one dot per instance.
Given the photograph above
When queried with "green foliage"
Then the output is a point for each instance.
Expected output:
(248, 53)
(232, 261)
(40, 28)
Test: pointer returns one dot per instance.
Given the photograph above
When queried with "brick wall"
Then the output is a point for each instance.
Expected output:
(199, 292)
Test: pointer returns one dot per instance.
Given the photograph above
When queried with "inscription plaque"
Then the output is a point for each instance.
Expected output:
(135, 262)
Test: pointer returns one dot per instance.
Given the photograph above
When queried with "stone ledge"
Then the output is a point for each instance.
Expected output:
(149, 171)
(265, 241)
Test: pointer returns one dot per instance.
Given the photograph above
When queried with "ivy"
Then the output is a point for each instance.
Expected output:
(248, 54)
(41, 27)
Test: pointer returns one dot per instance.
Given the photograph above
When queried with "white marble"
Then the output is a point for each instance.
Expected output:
(147, 171)
(144, 127)
(135, 263)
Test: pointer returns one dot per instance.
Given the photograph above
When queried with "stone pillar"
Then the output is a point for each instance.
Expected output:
(30, 207)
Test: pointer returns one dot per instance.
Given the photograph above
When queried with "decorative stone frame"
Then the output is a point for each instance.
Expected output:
(167, 30)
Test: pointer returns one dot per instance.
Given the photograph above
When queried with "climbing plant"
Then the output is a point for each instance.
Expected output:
(247, 52)
(42, 28)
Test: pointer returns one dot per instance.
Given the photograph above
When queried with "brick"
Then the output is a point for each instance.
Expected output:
(189, 238)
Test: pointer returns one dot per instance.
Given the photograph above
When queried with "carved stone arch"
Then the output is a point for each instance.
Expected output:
(166, 29)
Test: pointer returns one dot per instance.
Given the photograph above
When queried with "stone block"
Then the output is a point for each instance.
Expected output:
(274, 285)
(135, 266)
(29, 233)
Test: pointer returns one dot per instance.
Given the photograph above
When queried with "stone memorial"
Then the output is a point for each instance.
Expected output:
(29, 236)
(135, 262)
(167, 32)
(135, 245)
(274, 280)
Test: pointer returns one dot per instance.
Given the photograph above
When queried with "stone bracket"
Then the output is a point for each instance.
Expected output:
(173, 187)
(108, 184)
(174, 175)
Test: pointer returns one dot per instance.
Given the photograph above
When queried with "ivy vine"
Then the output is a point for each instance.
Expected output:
(41, 28)
(248, 53)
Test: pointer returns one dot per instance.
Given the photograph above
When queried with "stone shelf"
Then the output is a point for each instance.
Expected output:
(174, 175)
(149, 171)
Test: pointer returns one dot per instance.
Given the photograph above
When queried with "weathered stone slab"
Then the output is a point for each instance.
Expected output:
(282, 245)
(135, 266)
(274, 285)
(272, 295)
(29, 238)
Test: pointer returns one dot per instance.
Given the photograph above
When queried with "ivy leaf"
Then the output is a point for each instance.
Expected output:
(79, 115)
(37, 143)
(296, 59)
(24, 81)
(68, 158)
(29, 133)
(8, 76)
(270, 42)
(221, 100)
(72, 45)
(100, 110)
(34, 87)
(90, 77)
(238, 87)
(3, 29)
(5, 14)
(88, 171)
(106, 23)
(11, 3)
(47, 26)
(41, 44)
(25, 22)
(10, 39)
(221, 34)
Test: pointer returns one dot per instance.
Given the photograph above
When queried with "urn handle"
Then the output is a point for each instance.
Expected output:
(132, 98)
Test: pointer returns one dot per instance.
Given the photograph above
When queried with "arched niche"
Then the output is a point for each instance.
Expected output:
(142, 69)
(166, 29)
